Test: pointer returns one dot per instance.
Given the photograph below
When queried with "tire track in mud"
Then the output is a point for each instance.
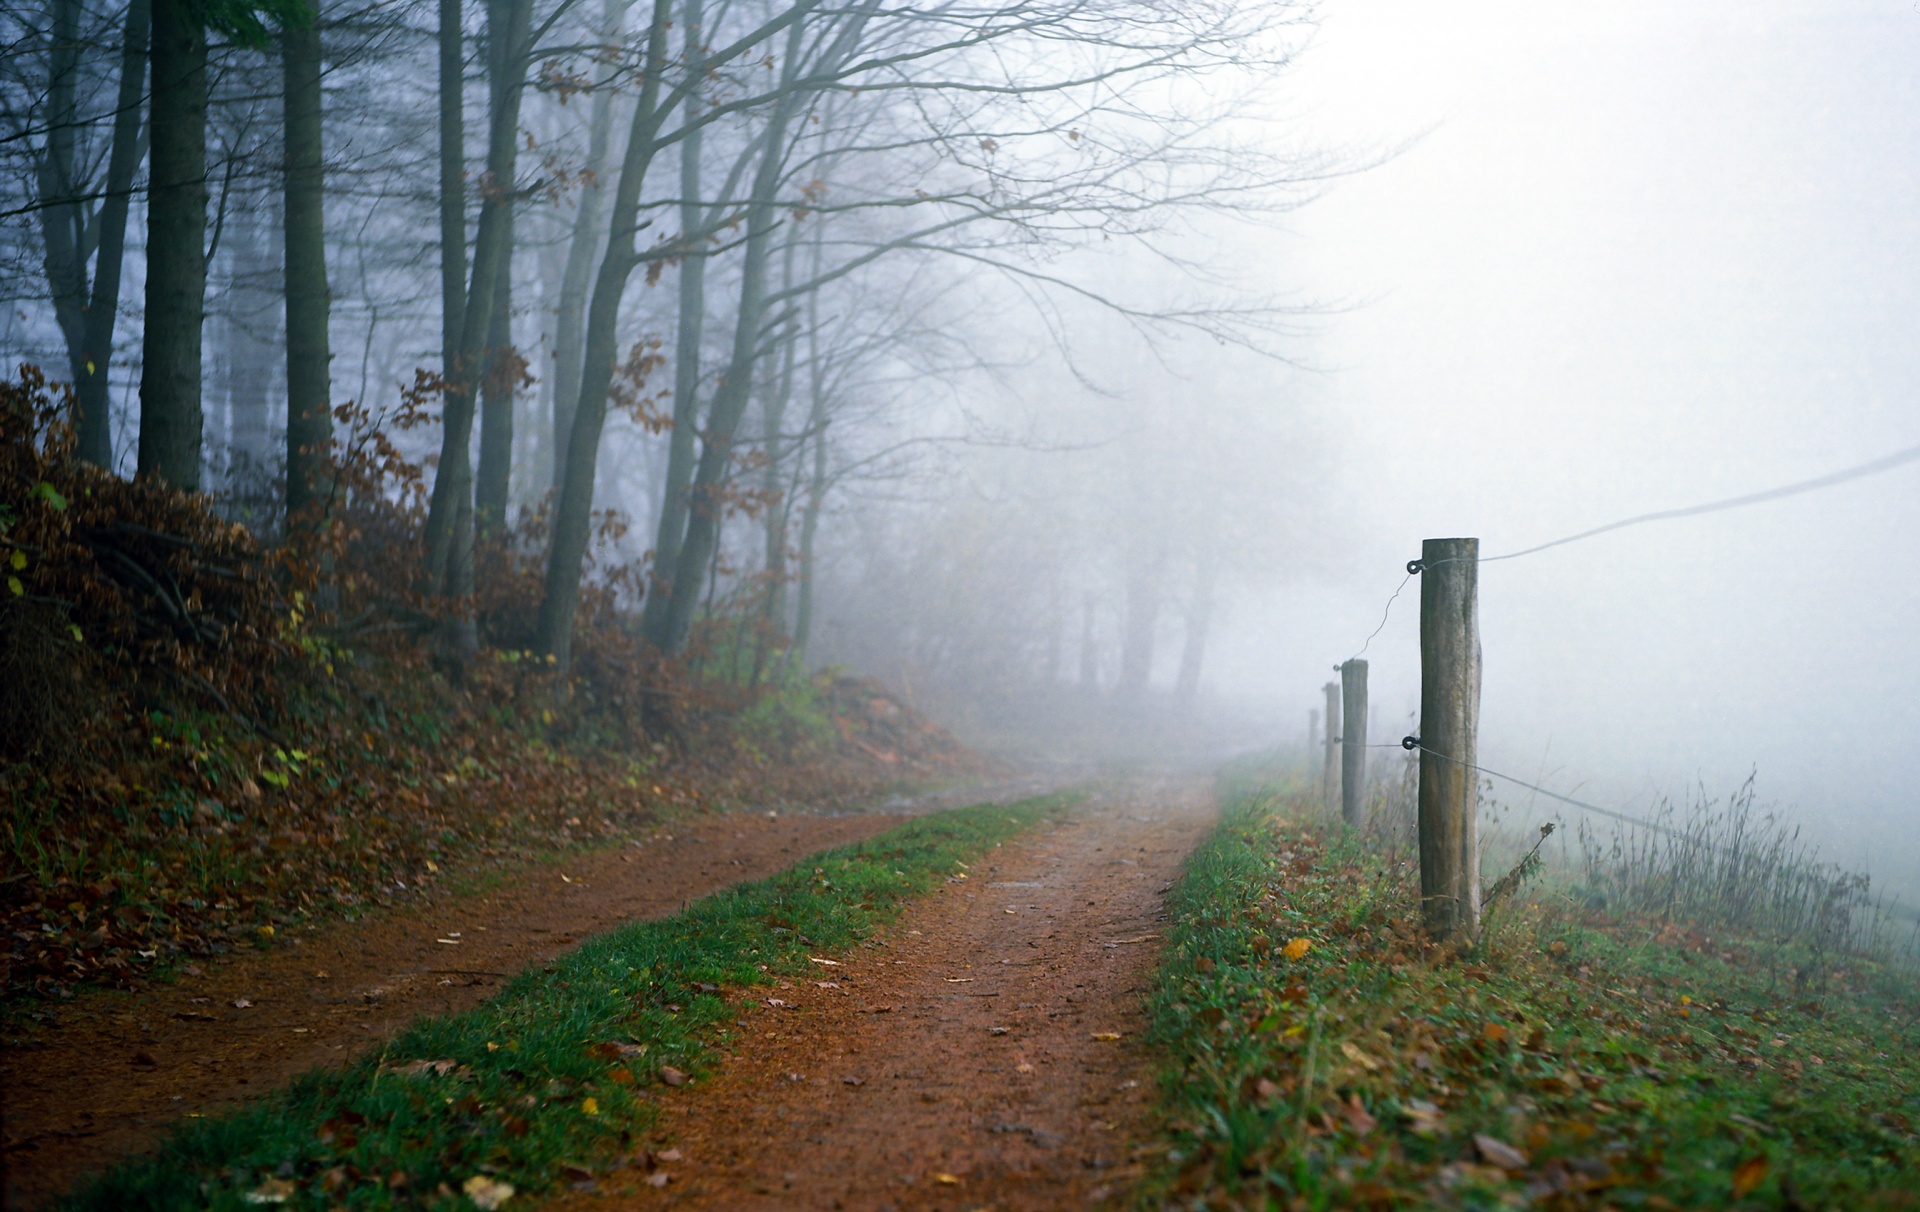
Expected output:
(983, 1053)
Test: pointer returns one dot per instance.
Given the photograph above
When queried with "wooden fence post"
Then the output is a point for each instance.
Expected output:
(1449, 719)
(1353, 743)
(1332, 691)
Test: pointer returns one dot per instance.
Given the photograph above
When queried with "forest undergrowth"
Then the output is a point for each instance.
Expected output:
(1322, 1054)
(209, 739)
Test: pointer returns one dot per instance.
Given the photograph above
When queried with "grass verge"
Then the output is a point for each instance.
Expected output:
(1319, 1056)
(550, 1077)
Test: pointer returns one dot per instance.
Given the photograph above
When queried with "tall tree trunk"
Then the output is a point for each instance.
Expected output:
(497, 390)
(170, 417)
(246, 329)
(1143, 617)
(583, 246)
(573, 516)
(63, 219)
(705, 502)
(689, 330)
(817, 476)
(309, 303)
(450, 516)
(1206, 576)
(773, 415)
(1089, 653)
(123, 161)
(451, 476)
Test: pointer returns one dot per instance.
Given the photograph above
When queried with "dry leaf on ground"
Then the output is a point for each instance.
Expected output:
(1749, 1174)
(1496, 1152)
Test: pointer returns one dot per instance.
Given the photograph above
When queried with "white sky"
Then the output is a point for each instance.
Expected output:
(1648, 254)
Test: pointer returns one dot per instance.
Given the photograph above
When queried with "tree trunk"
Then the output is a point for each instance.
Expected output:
(689, 330)
(1199, 623)
(773, 417)
(451, 475)
(63, 220)
(583, 248)
(450, 516)
(817, 478)
(573, 516)
(705, 501)
(90, 382)
(1143, 617)
(170, 417)
(309, 303)
(497, 391)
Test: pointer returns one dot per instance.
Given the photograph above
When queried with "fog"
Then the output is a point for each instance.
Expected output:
(1612, 260)
(1123, 355)
(1641, 256)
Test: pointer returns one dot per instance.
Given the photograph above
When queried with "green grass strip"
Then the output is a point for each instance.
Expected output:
(552, 1070)
(1618, 1064)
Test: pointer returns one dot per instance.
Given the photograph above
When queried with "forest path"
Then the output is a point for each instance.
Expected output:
(985, 1052)
(119, 1067)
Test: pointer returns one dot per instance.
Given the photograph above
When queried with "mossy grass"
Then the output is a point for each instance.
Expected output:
(1568, 1060)
(555, 1070)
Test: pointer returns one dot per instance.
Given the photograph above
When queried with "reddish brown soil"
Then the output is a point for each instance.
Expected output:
(118, 1067)
(955, 1063)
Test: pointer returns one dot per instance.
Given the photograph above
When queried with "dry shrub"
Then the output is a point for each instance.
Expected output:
(138, 583)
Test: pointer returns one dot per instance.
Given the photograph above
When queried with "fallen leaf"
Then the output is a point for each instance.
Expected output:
(1106, 1036)
(242, 1003)
(814, 959)
(487, 1193)
(672, 1076)
(659, 1178)
(1749, 1174)
(1355, 1113)
(1494, 1033)
(1424, 1116)
(1499, 1153)
(854, 1081)
(1354, 1054)
(1297, 948)
(946, 1180)
(273, 1191)
(959, 980)
(998, 1030)
(669, 1155)
(145, 1060)
(590, 1106)
(1023, 1067)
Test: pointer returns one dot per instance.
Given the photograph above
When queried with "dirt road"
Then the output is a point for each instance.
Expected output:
(984, 1055)
(119, 1067)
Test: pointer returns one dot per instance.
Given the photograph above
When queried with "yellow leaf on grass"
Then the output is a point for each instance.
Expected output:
(591, 1106)
(1358, 1057)
(18, 559)
(1748, 1175)
(1297, 948)
(487, 1193)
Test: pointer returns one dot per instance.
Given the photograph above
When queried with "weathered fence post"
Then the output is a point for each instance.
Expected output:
(1449, 718)
(1332, 691)
(1353, 743)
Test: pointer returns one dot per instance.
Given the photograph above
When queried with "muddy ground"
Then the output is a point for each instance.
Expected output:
(960, 1060)
(984, 1053)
